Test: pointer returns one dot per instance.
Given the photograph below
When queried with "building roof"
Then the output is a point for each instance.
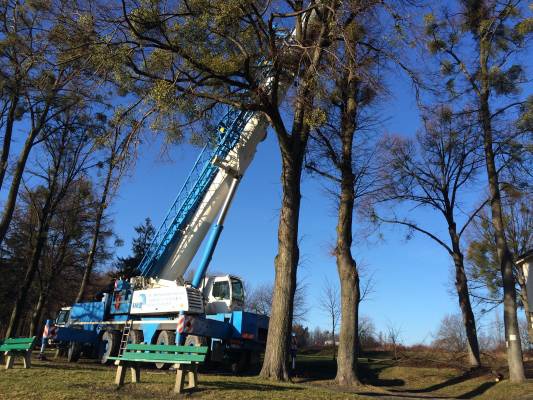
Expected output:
(528, 255)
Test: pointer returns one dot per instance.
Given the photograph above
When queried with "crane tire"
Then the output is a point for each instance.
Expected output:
(193, 340)
(108, 346)
(136, 336)
(166, 338)
(74, 352)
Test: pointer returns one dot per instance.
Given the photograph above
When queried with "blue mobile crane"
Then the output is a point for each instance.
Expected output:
(159, 306)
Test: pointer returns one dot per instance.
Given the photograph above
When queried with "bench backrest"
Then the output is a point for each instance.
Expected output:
(169, 353)
(17, 344)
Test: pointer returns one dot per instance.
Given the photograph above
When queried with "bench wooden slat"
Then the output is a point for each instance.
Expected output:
(143, 360)
(174, 358)
(17, 347)
(19, 340)
(167, 348)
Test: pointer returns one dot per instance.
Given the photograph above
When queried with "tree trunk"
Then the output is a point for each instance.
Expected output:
(96, 234)
(286, 262)
(55, 269)
(463, 294)
(41, 239)
(9, 206)
(35, 323)
(525, 303)
(293, 148)
(333, 344)
(348, 336)
(512, 336)
(347, 373)
(346, 266)
(28, 278)
(4, 158)
(523, 293)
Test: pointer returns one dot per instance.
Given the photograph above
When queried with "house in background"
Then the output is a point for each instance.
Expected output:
(525, 261)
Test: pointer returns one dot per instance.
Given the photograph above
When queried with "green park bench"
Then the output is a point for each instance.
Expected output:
(12, 347)
(184, 358)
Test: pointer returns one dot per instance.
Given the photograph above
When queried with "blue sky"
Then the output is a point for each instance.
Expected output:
(411, 278)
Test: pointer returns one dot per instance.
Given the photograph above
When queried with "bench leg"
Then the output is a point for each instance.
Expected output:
(178, 388)
(193, 377)
(27, 359)
(9, 361)
(121, 374)
(135, 374)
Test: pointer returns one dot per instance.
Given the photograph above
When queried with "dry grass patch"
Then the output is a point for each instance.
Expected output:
(384, 379)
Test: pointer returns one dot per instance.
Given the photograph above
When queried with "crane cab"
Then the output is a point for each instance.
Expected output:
(223, 294)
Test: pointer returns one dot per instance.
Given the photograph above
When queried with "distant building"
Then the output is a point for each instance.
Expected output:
(330, 342)
(525, 261)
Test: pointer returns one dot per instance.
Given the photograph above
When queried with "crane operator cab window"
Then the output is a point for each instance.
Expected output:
(237, 291)
(221, 290)
(62, 317)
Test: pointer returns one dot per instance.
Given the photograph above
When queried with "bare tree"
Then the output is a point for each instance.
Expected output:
(330, 305)
(394, 337)
(433, 172)
(67, 244)
(367, 334)
(115, 148)
(259, 300)
(451, 334)
(67, 151)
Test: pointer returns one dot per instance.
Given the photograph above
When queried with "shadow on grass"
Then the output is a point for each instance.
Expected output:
(259, 387)
(477, 391)
(317, 369)
(482, 388)
(449, 382)
(400, 396)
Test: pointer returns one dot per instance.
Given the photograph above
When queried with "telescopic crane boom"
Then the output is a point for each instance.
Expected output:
(206, 193)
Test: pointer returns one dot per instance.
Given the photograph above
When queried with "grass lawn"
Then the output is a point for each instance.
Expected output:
(58, 380)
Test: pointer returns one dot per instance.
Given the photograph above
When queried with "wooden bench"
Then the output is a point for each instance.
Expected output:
(184, 358)
(12, 347)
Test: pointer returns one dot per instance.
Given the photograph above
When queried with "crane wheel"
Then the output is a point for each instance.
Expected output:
(74, 352)
(193, 340)
(166, 338)
(136, 336)
(108, 346)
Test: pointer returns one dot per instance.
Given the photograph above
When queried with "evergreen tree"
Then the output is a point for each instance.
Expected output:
(127, 267)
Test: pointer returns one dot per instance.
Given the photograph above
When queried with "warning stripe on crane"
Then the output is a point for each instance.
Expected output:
(181, 323)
